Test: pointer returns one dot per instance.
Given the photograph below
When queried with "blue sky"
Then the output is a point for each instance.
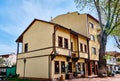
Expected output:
(16, 15)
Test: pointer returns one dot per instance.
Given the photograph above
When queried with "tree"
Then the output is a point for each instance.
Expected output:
(1, 61)
(108, 12)
(116, 35)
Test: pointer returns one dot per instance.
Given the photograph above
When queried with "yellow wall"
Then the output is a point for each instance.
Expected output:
(80, 24)
(93, 43)
(35, 53)
(84, 42)
(35, 67)
(64, 34)
(74, 40)
(39, 35)
(20, 67)
(58, 58)
(74, 21)
(75, 44)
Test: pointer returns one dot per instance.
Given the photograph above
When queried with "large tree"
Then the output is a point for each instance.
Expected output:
(116, 35)
(108, 12)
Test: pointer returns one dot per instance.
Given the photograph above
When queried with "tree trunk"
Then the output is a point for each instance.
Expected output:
(102, 61)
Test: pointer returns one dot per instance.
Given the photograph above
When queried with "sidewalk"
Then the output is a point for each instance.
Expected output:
(115, 78)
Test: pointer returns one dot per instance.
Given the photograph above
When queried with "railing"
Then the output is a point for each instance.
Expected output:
(35, 53)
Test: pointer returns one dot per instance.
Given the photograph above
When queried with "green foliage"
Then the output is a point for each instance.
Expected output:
(1, 60)
(107, 57)
(118, 60)
(18, 79)
(108, 12)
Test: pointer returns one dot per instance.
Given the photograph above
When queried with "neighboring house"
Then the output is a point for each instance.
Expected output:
(112, 61)
(8, 60)
(118, 62)
(7, 63)
(50, 50)
(87, 25)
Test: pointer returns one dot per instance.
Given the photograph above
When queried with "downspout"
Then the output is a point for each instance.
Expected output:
(54, 51)
(78, 46)
(54, 39)
(87, 26)
(88, 62)
(88, 49)
(70, 45)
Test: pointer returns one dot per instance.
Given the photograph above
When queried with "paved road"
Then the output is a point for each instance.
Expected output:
(115, 78)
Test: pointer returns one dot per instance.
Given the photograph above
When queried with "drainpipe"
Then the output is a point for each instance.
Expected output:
(24, 67)
(78, 46)
(88, 49)
(54, 50)
(88, 62)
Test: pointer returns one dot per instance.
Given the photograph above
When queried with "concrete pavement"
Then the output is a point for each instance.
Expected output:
(115, 78)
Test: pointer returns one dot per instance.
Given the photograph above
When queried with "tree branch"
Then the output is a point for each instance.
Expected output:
(118, 45)
(113, 14)
(113, 28)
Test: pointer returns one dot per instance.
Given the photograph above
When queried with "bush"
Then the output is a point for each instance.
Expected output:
(18, 79)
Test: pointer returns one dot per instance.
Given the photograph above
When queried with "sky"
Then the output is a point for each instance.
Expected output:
(16, 15)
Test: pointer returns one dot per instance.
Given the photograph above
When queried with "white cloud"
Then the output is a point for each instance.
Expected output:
(7, 49)
(18, 15)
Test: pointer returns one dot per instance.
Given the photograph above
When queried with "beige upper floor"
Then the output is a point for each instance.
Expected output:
(74, 21)
(38, 39)
(84, 24)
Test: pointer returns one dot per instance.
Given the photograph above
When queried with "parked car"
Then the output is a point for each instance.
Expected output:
(118, 71)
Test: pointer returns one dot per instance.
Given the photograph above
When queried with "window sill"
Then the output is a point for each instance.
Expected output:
(62, 48)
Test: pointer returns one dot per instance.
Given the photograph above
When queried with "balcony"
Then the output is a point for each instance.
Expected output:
(35, 53)
(83, 55)
(63, 51)
(74, 56)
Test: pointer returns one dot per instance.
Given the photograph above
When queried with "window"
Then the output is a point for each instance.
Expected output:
(65, 43)
(56, 67)
(60, 41)
(62, 67)
(92, 37)
(71, 46)
(85, 48)
(81, 47)
(26, 47)
(91, 25)
(93, 50)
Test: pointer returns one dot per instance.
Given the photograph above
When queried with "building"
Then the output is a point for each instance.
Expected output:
(7, 65)
(8, 60)
(111, 61)
(87, 25)
(52, 50)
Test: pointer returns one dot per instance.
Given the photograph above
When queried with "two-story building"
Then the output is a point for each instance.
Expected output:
(51, 49)
(48, 48)
(87, 25)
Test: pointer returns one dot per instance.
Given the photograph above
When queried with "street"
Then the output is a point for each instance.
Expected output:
(115, 78)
